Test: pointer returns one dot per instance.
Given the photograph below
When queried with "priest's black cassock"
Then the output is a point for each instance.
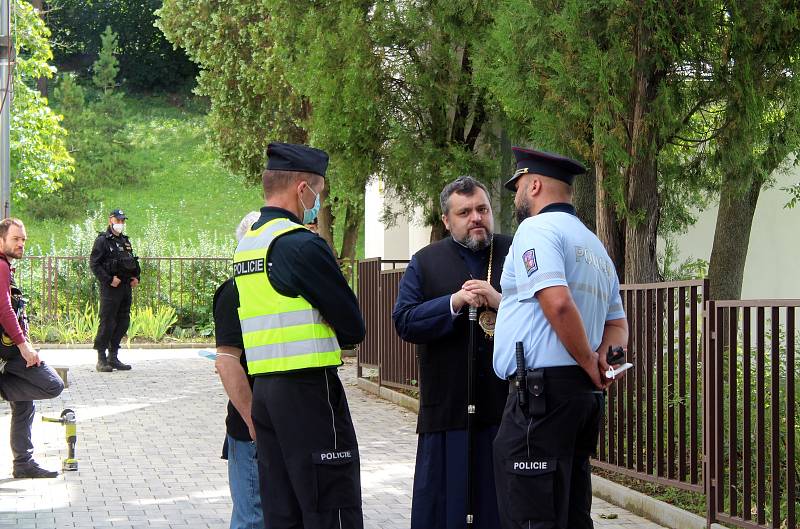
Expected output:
(423, 315)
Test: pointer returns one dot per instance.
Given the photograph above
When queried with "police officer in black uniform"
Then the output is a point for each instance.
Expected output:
(293, 304)
(117, 270)
(561, 304)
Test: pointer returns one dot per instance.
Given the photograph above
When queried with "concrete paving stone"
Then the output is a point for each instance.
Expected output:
(149, 442)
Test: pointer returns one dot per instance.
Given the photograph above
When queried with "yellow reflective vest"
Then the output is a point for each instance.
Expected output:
(280, 333)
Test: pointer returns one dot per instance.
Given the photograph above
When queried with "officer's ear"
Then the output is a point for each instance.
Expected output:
(535, 185)
(306, 180)
(298, 186)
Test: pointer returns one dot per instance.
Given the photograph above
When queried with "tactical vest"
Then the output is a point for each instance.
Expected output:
(280, 333)
(121, 261)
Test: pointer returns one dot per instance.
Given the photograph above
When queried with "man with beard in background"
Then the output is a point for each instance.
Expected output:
(24, 377)
(441, 282)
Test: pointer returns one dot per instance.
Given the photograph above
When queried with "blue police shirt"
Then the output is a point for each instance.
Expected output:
(553, 248)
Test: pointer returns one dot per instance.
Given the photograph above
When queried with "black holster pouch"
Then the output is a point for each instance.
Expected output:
(8, 349)
(535, 383)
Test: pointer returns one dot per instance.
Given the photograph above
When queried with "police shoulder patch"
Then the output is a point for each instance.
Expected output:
(529, 260)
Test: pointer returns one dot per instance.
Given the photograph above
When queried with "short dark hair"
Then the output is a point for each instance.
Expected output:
(6, 223)
(463, 185)
(275, 181)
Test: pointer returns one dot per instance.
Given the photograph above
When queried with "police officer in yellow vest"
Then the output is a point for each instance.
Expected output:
(296, 310)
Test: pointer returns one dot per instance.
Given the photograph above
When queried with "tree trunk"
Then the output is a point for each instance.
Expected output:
(641, 265)
(352, 225)
(732, 238)
(325, 219)
(608, 228)
(585, 198)
(504, 215)
(641, 226)
(438, 231)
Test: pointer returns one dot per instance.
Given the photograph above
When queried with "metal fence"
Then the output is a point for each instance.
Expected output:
(394, 359)
(652, 429)
(60, 286)
(751, 413)
(711, 405)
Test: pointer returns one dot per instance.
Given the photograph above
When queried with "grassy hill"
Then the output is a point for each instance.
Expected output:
(183, 195)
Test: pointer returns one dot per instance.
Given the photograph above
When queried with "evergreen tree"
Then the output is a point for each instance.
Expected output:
(106, 67)
(147, 60)
(665, 101)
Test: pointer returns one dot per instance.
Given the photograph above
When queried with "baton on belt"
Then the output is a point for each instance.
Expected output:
(520, 382)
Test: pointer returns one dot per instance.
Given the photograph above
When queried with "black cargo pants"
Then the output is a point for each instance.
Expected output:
(115, 315)
(541, 454)
(308, 449)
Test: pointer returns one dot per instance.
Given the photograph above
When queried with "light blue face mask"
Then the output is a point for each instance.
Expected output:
(310, 214)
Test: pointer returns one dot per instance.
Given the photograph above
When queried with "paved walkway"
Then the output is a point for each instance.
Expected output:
(148, 448)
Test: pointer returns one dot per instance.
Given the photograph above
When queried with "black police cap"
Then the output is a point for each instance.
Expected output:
(118, 213)
(300, 158)
(546, 164)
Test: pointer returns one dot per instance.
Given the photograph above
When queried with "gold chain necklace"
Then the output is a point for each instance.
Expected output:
(488, 317)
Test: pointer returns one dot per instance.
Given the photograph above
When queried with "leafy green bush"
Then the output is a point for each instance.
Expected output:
(134, 329)
(151, 324)
(77, 327)
(44, 332)
(85, 325)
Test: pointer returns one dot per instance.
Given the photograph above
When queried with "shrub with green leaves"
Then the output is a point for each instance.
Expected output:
(85, 324)
(153, 324)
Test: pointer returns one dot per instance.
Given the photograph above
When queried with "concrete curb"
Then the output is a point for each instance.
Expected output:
(185, 345)
(655, 510)
(401, 399)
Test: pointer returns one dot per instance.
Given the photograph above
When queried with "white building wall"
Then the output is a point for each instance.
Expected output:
(773, 257)
(374, 230)
(399, 241)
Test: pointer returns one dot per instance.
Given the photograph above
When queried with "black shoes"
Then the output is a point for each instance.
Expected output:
(114, 362)
(102, 364)
(32, 470)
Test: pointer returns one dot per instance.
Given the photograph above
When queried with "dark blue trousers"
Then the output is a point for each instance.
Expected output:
(20, 386)
(440, 477)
